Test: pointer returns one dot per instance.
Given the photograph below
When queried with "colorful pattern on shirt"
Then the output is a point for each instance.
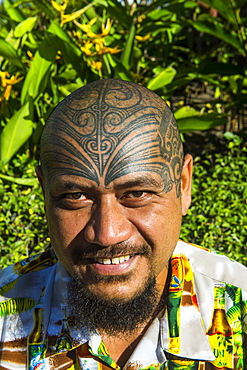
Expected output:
(35, 333)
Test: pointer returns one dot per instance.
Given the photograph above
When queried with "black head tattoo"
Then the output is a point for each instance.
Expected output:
(110, 128)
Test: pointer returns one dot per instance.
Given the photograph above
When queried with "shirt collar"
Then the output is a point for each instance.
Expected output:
(191, 341)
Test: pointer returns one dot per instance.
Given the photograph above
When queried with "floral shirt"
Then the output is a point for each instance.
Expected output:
(204, 325)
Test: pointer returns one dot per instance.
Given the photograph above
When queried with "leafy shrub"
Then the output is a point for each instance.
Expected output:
(23, 228)
(217, 218)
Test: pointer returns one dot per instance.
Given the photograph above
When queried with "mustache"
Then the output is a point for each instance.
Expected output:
(120, 249)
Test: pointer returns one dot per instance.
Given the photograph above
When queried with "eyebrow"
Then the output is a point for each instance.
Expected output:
(68, 185)
(140, 181)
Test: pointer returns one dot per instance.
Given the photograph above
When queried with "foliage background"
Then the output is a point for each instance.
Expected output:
(191, 53)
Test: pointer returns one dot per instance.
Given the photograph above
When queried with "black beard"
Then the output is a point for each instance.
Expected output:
(111, 316)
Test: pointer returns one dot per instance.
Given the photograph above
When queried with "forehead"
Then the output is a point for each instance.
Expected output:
(108, 131)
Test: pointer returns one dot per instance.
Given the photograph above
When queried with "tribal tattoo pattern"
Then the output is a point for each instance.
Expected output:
(110, 128)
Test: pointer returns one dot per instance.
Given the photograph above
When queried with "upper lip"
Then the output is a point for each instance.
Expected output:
(110, 256)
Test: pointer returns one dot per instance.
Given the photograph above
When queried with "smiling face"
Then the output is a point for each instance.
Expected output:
(114, 187)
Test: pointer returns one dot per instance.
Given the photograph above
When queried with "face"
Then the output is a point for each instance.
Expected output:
(114, 195)
(114, 238)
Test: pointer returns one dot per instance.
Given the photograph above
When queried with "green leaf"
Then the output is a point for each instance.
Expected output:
(118, 11)
(46, 7)
(217, 30)
(185, 111)
(14, 13)
(127, 52)
(25, 26)
(119, 70)
(20, 181)
(68, 48)
(200, 122)
(164, 78)
(36, 79)
(224, 7)
(9, 53)
(15, 133)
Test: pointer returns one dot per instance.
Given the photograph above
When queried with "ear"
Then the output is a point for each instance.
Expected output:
(40, 176)
(186, 182)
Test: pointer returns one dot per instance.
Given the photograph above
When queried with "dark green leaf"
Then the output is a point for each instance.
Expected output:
(218, 30)
(200, 122)
(126, 53)
(224, 7)
(68, 48)
(38, 73)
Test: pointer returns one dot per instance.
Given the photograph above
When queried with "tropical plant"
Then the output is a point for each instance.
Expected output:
(49, 48)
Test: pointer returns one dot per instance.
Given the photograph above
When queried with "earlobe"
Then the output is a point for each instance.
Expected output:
(186, 183)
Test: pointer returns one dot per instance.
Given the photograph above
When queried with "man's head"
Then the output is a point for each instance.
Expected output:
(116, 186)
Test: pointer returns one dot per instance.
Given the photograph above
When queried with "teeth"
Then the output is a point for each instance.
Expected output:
(113, 261)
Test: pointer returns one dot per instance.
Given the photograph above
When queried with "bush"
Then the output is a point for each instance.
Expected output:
(23, 228)
(217, 218)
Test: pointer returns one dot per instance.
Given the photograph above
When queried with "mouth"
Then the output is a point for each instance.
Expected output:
(114, 260)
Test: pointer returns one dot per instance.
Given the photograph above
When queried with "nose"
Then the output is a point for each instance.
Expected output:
(109, 223)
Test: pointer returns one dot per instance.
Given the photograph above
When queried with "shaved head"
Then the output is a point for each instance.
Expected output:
(111, 128)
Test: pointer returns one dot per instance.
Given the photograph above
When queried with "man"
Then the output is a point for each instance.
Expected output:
(117, 289)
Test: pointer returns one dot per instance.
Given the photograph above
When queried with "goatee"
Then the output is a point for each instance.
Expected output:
(111, 316)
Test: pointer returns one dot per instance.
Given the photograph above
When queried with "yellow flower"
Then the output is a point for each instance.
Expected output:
(143, 38)
(87, 48)
(96, 65)
(60, 8)
(70, 17)
(108, 50)
(87, 28)
(106, 29)
(7, 84)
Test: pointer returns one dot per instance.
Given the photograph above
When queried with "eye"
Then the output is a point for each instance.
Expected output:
(135, 194)
(137, 198)
(75, 196)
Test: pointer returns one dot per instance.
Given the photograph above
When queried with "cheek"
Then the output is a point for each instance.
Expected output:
(159, 223)
(64, 226)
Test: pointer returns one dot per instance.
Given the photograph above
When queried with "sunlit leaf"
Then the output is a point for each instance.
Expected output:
(9, 53)
(20, 180)
(25, 26)
(164, 78)
(185, 111)
(16, 132)
(13, 11)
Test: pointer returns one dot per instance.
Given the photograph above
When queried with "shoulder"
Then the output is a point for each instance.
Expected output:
(213, 265)
(26, 270)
